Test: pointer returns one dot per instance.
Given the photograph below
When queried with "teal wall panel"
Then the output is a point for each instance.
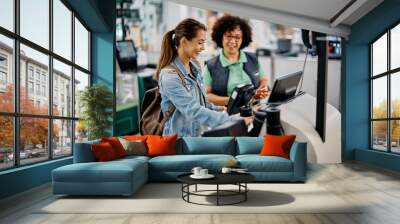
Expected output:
(103, 58)
(355, 86)
(103, 63)
(103, 51)
(356, 104)
(24, 178)
(379, 159)
(93, 14)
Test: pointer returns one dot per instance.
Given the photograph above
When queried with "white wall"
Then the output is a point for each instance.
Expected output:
(298, 117)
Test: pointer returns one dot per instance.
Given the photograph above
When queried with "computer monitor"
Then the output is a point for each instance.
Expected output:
(285, 88)
(284, 46)
(231, 128)
(126, 55)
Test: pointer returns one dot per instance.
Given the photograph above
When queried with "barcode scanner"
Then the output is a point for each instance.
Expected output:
(241, 96)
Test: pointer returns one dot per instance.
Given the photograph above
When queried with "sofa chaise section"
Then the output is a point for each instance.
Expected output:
(87, 177)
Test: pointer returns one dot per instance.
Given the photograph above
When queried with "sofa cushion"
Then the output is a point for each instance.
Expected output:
(93, 172)
(83, 152)
(249, 145)
(161, 145)
(257, 163)
(185, 163)
(206, 145)
(135, 137)
(277, 145)
(116, 145)
(131, 158)
(103, 152)
(134, 147)
(112, 171)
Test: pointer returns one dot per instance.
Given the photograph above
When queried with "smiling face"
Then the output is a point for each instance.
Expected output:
(232, 40)
(193, 47)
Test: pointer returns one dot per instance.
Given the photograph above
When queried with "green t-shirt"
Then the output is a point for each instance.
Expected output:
(237, 75)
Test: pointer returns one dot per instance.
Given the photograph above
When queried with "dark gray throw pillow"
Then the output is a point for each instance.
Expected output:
(136, 147)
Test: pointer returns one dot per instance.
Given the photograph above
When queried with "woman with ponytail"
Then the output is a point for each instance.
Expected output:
(181, 83)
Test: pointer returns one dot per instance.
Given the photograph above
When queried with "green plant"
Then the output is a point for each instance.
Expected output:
(96, 102)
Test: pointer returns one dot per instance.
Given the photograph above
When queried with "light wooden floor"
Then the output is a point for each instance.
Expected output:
(378, 188)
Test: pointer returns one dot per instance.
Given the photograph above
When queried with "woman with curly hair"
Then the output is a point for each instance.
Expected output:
(233, 66)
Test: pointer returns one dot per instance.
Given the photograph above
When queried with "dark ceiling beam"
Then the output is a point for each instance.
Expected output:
(94, 13)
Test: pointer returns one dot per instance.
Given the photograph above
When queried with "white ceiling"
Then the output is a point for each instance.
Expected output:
(316, 15)
(320, 9)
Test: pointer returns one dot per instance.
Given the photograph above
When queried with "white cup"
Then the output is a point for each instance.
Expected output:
(226, 170)
(196, 170)
(203, 172)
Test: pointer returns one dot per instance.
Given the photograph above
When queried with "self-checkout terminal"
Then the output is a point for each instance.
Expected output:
(284, 90)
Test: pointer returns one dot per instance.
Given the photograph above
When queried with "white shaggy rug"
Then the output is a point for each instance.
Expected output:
(166, 198)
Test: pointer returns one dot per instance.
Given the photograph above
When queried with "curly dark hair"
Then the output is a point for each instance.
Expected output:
(228, 23)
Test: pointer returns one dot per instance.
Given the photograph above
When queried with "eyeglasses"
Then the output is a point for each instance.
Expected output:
(235, 38)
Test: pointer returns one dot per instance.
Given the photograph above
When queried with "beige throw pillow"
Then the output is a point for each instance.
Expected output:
(137, 147)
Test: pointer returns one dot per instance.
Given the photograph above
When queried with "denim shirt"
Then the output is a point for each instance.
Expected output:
(192, 115)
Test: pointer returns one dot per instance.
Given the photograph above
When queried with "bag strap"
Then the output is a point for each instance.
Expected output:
(184, 83)
(181, 76)
(197, 63)
(172, 108)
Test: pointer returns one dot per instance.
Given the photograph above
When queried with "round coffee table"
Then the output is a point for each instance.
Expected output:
(238, 179)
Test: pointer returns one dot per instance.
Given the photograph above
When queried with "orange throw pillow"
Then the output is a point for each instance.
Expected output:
(161, 145)
(116, 145)
(276, 145)
(103, 151)
(136, 137)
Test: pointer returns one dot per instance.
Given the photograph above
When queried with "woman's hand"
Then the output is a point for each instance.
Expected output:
(256, 107)
(261, 92)
(248, 120)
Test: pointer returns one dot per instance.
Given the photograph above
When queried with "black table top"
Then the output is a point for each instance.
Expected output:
(220, 178)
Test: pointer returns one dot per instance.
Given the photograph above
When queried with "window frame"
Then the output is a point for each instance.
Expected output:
(16, 114)
(5, 58)
(3, 74)
(388, 74)
(3, 69)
